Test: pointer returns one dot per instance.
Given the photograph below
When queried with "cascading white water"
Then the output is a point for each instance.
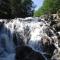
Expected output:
(6, 41)
(31, 29)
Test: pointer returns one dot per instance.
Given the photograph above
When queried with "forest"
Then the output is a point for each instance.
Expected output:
(51, 6)
(16, 8)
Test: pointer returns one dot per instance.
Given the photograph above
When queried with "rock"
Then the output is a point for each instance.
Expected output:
(27, 53)
(46, 40)
(56, 54)
(48, 45)
(57, 26)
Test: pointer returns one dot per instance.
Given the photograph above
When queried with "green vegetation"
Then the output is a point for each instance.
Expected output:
(16, 8)
(51, 6)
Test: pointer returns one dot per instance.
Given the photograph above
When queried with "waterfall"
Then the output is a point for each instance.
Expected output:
(6, 41)
(28, 31)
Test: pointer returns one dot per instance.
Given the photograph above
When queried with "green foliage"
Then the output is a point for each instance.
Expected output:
(51, 6)
(4, 8)
(16, 8)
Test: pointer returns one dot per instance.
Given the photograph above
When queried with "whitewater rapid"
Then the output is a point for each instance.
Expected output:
(30, 29)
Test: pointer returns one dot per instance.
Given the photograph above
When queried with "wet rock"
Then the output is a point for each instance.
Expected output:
(56, 54)
(48, 45)
(57, 27)
(27, 53)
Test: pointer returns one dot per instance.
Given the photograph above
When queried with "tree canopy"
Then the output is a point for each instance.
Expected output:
(16, 8)
(48, 6)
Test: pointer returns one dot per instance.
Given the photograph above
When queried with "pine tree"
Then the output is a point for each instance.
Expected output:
(16, 8)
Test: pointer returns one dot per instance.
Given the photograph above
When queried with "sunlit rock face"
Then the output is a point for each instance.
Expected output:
(33, 32)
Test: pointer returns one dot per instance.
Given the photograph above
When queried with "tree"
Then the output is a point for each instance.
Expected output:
(4, 9)
(16, 8)
(24, 8)
(48, 6)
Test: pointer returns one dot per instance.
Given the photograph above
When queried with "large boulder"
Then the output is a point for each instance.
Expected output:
(57, 26)
(27, 53)
(48, 45)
